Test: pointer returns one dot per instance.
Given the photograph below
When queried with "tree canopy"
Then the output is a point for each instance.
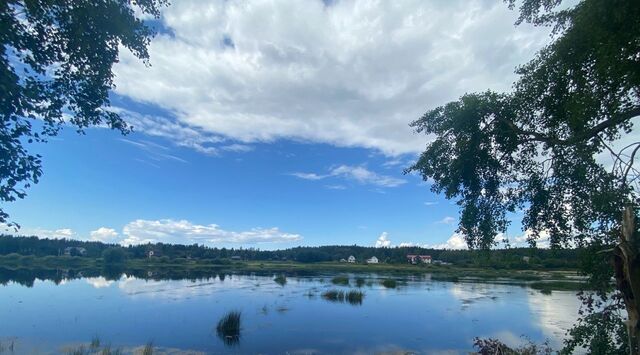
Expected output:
(540, 147)
(559, 148)
(56, 69)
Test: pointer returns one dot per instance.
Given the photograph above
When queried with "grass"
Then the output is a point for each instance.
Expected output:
(228, 327)
(360, 281)
(340, 280)
(148, 349)
(333, 295)
(281, 280)
(353, 297)
(389, 283)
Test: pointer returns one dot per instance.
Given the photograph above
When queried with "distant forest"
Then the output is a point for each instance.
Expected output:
(523, 258)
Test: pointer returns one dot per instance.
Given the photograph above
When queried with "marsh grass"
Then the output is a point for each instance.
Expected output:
(389, 283)
(353, 297)
(148, 349)
(360, 282)
(228, 328)
(94, 349)
(340, 280)
(280, 280)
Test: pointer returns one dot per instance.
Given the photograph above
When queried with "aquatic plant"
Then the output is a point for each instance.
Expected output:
(148, 349)
(228, 327)
(95, 343)
(389, 283)
(354, 297)
(333, 295)
(280, 280)
(340, 280)
(360, 282)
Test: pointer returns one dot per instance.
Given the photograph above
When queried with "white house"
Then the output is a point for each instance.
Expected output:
(372, 260)
(351, 259)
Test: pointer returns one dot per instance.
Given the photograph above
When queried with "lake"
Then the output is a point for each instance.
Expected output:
(180, 316)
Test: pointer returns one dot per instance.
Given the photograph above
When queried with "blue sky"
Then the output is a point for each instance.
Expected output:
(256, 128)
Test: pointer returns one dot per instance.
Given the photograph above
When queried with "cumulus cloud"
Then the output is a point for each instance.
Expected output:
(456, 241)
(351, 74)
(358, 174)
(104, 234)
(62, 233)
(184, 232)
(542, 239)
(383, 241)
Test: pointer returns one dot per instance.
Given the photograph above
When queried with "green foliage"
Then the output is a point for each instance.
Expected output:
(495, 347)
(228, 327)
(148, 349)
(389, 283)
(281, 280)
(360, 281)
(57, 59)
(114, 256)
(340, 280)
(537, 147)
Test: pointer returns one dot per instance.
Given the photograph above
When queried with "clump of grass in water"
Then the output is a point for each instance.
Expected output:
(95, 344)
(148, 349)
(280, 280)
(389, 283)
(360, 282)
(333, 296)
(354, 297)
(340, 280)
(228, 328)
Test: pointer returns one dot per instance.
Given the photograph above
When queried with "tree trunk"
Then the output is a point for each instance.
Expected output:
(627, 273)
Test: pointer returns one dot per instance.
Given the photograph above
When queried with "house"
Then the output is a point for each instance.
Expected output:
(151, 254)
(526, 259)
(343, 260)
(351, 259)
(75, 251)
(415, 259)
(236, 258)
(372, 260)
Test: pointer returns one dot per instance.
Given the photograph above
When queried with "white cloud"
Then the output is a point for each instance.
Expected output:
(62, 233)
(104, 234)
(456, 241)
(351, 74)
(406, 244)
(542, 240)
(359, 174)
(430, 203)
(447, 220)
(383, 241)
(184, 232)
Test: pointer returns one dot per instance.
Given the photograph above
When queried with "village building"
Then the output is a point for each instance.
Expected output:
(75, 251)
(372, 260)
(351, 259)
(416, 259)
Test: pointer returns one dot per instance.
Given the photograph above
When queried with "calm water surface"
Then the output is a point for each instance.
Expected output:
(420, 315)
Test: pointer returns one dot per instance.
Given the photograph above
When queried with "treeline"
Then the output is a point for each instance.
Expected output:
(501, 258)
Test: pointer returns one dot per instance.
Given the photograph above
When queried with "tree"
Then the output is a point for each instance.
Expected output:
(114, 256)
(556, 146)
(56, 69)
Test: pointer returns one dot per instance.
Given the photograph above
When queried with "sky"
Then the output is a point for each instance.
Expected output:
(273, 124)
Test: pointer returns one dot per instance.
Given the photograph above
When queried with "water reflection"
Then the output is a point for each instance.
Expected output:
(179, 310)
